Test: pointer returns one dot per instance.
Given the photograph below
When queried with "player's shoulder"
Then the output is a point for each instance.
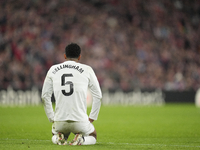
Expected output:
(87, 69)
(54, 68)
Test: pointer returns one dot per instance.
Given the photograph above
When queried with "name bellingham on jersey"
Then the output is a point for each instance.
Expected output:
(67, 66)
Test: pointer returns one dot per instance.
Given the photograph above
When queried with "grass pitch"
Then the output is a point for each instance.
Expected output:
(169, 127)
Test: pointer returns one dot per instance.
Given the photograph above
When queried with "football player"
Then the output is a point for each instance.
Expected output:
(69, 81)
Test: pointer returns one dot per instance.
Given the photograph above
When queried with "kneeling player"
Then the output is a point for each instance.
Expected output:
(69, 82)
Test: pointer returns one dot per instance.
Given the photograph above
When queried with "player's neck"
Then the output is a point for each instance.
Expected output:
(72, 59)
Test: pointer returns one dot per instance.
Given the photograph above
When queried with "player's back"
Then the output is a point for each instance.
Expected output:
(70, 84)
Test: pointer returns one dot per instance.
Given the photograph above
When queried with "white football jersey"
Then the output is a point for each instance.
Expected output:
(69, 81)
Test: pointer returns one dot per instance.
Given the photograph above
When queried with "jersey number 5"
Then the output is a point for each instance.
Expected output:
(71, 85)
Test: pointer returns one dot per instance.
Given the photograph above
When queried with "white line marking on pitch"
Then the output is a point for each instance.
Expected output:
(146, 144)
(107, 143)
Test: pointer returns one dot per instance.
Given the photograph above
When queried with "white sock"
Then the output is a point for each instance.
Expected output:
(89, 140)
(54, 139)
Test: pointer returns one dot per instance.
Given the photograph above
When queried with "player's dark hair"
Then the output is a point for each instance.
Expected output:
(72, 50)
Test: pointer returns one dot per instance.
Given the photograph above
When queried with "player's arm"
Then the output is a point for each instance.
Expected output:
(96, 96)
(46, 97)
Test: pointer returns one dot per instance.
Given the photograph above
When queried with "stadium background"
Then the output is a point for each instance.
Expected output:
(142, 44)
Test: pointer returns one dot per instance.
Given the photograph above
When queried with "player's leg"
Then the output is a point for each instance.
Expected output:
(80, 139)
(85, 134)
(90, 139)
(60, 133)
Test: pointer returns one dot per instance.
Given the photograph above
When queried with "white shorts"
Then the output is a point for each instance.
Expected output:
(66, 127)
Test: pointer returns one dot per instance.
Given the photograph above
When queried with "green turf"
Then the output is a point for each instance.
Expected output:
(169, 127)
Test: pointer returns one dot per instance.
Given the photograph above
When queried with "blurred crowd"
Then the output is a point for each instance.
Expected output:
(146, 44)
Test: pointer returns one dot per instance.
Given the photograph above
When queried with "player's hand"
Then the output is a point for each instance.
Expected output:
(91, 120)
